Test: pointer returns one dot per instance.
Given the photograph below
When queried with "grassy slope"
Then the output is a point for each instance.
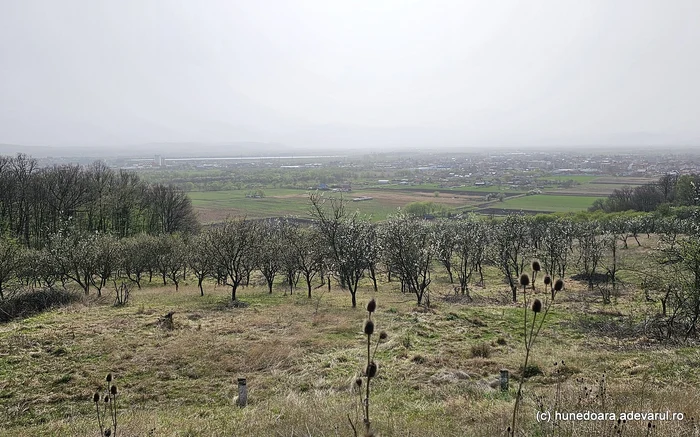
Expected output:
(300, 356)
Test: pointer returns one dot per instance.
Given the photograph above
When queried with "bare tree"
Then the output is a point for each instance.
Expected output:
(556, 247)
(347, 237)
(137, 256)
(679, 279)
(199, 258)
(171, 210)
(37, 268)
(10, 259)
(373, 253)
(170, 258)
(309, 252)
(510, 248)
(106, 252)
(590, 248)
(100, 180)
(445, 242)
(269, 247)
(410, 251)
(233, 241)
(469, 249)
(73, 254)
(290, 251)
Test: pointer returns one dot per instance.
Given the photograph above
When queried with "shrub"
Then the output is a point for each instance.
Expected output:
(482, 350)
(25, 304)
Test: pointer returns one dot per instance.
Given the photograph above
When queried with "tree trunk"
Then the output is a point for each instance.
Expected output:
(234, 286)
(374, 276)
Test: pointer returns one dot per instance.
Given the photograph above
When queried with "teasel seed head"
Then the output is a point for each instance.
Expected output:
(537, 306)
(524, 280)
(383, 335)
(536, 266)
(371, 306)
(558, 285)
(106, 399)
(113, 389)
(109, 377)
(96, 397)
(369, 327)
(371, 370)
(108, 432)
(547, 280)
(358, 382)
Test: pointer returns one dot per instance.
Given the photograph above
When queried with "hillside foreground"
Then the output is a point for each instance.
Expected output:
(437, 371)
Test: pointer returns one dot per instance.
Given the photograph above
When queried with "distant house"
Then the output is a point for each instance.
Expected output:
(323, 187)
(362, 198)
(383, 181)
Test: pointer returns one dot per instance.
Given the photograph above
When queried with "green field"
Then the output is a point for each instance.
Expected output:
(549, 203)
(213, 206)
(576, 178)
(217, 205)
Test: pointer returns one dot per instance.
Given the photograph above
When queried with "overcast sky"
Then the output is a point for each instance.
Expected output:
(349, 72)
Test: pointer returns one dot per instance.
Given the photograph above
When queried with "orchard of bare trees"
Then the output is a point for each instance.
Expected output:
(92, 227)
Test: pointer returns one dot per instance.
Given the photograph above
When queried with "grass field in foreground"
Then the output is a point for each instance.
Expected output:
(551, 203)
(301, 355)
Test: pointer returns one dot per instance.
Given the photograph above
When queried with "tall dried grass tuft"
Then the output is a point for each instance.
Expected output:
(109, 407)
(370, 371)
(531, 329)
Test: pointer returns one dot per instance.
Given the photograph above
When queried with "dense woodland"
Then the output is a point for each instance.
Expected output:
(37, 203)
(93, 227)
(259, 176)
(670, 190)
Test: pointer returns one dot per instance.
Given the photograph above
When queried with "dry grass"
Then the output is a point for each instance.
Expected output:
(300, 364)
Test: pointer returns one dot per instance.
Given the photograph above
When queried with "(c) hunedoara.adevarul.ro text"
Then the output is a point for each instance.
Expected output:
(565, 416)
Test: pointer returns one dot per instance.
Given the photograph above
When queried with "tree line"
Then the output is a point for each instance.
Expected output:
(85, 243)
(669, 190)
(36, 202)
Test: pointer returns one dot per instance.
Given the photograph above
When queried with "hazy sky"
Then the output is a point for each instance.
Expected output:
(348, 72)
